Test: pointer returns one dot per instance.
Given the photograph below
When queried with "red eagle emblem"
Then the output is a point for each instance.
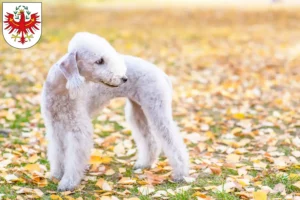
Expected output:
(24, 25)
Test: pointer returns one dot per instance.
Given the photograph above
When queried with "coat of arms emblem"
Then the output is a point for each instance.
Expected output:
(22, 24)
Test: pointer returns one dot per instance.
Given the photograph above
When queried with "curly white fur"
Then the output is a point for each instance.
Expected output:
(81, 83)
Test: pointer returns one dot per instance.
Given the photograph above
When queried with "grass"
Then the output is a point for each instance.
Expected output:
(273, 179)
(224, 196)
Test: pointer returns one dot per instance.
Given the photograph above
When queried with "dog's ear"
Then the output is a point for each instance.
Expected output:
(75, 81)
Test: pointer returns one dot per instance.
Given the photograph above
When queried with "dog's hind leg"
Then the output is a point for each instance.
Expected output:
(78, 144)
(159, 115)
(147, 145)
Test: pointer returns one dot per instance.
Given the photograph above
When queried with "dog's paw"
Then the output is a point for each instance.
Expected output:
(67, 185)
(179, 178)
(56, 175)
(139, 165)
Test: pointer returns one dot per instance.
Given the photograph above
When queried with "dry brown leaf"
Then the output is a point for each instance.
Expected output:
(216, 170)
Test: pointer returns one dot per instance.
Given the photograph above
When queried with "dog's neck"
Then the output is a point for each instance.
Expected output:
(56, 81)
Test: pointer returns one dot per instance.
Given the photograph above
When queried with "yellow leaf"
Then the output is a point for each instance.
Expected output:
(109, 172)
(32, 167)
(122, 170)
(243, 182)
(33, 158)
(210, 187)
(100, 160)
(202, 146)
(103, 184)
(233, 158)
(210, 135)
(66, 193)
(126, 180)
(260, 195)
(42, 182)
(10, 116)
(238, 116)
(257, 183)
(199, 194)
(55, 197)
(105, 198)
(297, 184)
(294, 176)
(236, 130)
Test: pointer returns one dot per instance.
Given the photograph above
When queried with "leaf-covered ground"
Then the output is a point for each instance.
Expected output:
(236, 77)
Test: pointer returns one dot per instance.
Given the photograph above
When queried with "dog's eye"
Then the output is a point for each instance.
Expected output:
(100, 62)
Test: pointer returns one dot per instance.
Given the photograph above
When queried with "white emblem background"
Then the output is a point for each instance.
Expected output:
(10, 8)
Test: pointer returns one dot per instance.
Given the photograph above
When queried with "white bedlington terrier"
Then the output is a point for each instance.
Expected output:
(81, 83)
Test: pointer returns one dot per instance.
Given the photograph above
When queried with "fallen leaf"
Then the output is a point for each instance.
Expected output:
(33, 158)
(146, 190)
(100, 160)
(160, 193)
(233, 158)
(260, 195)
(183, 189)
(297, 184)
(103, 184)
(11, 178)
(296, 154)
(216, 170)
(126, 180)
(32, 167)
(109, 172)
(189, 179)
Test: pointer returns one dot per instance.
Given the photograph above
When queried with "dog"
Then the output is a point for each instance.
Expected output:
(81, 83)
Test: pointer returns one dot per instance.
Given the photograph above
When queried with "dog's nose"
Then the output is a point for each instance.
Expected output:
(124, 79)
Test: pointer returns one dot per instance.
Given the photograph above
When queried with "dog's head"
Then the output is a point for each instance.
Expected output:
(92, 58)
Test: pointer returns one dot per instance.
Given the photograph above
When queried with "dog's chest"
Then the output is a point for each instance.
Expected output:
(99, 98)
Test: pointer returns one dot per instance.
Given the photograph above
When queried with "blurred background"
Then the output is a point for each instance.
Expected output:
(202, 44)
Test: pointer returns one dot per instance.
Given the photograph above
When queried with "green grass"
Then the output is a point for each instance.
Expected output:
(285, 149)
(274, 179)
(224, 196)
(228, 171)
(275, 196)
(182, 196)
(6, 189)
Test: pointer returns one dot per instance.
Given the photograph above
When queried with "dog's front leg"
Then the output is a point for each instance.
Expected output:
(78, 144)
(55, 152)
